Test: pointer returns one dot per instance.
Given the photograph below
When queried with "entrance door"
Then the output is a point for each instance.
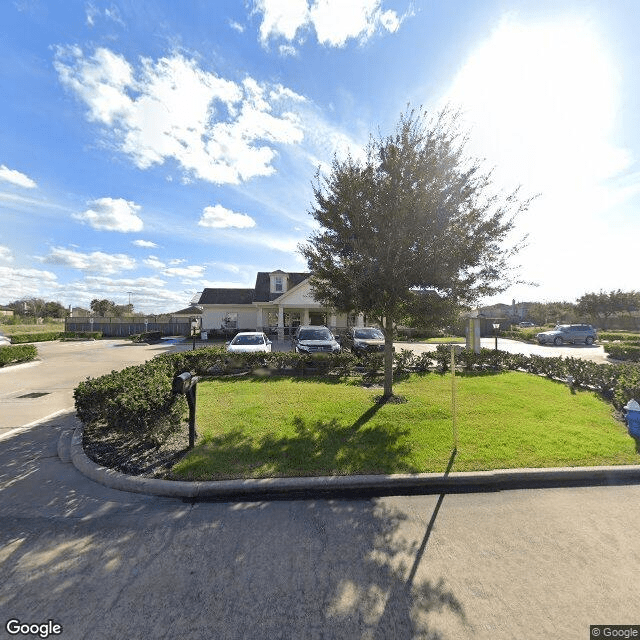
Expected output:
(317, 318)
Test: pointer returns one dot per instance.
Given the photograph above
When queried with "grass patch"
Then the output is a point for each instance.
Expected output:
(274, 427)
(22, 329)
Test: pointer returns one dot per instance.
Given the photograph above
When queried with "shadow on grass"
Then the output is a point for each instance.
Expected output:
(320, 447)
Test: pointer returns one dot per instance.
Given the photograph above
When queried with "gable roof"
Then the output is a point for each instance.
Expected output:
(263, 285)
(226, 296)
(260, 293)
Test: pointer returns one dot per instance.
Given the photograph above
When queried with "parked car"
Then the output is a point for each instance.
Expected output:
(4, 341)
(249, 342)
(363, 339)
(526, 324)
(573, 333)
(315, 339)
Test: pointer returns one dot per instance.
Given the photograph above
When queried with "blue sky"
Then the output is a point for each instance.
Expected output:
(149, 149)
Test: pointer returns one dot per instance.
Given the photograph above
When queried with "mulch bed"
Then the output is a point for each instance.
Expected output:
(130, 456)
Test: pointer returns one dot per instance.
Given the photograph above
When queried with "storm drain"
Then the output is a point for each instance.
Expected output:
(35, 394)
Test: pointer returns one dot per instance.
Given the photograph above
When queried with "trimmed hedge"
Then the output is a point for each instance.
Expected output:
(18, 353)
(71, 335)
(139, 401)
(624, 351)
(615, 336)
(36, 337)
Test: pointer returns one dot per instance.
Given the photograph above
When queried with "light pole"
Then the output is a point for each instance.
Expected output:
(496, 326)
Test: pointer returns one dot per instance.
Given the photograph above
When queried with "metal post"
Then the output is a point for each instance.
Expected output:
(453, 398)
(191, 401)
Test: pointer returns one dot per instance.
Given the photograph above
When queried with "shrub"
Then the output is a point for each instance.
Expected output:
(36, 337)
(17, 353)
(137, 400)
(624, 351)
(619, 336)
(70, 335)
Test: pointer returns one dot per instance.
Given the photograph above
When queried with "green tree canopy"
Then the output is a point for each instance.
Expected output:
(417, 215)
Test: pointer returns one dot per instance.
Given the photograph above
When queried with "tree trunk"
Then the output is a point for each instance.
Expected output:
(388, 357)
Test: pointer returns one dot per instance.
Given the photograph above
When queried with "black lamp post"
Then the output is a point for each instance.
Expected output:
(496, 326)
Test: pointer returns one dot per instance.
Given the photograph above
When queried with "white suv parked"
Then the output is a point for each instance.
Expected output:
(572, 333)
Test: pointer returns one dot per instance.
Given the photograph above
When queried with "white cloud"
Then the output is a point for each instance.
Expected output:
(21, 283)
(217, 130)
(5, 254)
(154, 263)
(220, 218)
(194, 271)
(145, 243)
(15, 177)
(112, 214)
(236, 26)
(95, 262)
(334, 21)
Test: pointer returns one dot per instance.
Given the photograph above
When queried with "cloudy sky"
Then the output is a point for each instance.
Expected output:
(151, 148)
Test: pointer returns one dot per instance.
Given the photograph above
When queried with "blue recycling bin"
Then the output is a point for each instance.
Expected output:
(633, 418)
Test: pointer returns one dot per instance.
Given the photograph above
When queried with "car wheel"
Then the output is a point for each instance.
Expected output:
(557, 341)
(589, 340)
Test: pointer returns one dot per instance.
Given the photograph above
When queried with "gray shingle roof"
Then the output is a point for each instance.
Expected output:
(260, 293)
(226, 296)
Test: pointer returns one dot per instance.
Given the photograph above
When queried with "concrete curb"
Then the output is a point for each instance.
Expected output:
(457, 482)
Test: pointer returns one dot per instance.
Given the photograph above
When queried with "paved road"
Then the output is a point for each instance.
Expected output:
(107, 564)
(594, 352)
(56, 373)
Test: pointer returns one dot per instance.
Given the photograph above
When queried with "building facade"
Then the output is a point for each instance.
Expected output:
(277, 304)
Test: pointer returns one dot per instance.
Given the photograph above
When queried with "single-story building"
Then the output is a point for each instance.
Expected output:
(278, 303)
(6, 311)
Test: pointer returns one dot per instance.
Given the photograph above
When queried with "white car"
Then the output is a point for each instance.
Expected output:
(249, 342)
(4, 341)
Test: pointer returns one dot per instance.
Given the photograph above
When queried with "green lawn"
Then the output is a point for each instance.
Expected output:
(21, 329)
(268, 427)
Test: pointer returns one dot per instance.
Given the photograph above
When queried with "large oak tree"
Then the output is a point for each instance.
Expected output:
(417, 219)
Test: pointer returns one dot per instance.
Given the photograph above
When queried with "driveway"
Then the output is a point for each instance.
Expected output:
(35, 390)
(595, 353)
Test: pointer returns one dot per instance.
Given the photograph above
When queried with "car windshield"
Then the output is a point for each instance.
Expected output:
(315, 334)
(250, 340)
(368, 334)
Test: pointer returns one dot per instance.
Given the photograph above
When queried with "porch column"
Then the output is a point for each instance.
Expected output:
(259, 321)
(305, 317)
(332, 322)
(360, 320)
(280, 322)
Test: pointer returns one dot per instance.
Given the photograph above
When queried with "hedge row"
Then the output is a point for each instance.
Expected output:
(54, 335)
(624, 351)
(139, 400)
(17, 353)
(614, 336)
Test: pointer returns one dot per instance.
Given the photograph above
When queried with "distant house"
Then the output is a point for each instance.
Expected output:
(79, 312)
(6, 311)
(278, 303)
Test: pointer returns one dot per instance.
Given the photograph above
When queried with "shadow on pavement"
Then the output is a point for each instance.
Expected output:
(107, 564)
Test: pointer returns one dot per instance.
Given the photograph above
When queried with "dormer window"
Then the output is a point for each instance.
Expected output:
(278, 282)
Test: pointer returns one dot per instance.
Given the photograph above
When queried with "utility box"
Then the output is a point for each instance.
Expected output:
(633, 418)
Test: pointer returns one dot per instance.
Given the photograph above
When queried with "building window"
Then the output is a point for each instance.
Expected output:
(277, 284)
(230, 321)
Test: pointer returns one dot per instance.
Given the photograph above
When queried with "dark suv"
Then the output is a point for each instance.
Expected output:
(315, 339)
(363, 339)
(572, 333)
